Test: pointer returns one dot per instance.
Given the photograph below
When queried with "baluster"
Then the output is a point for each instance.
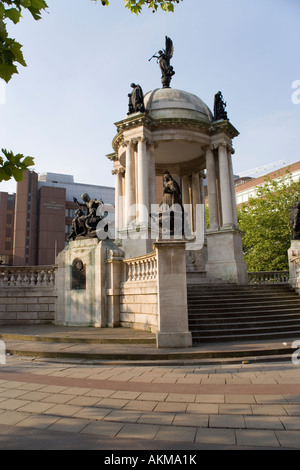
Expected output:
(39, 279)
(129, 271)
(44, 278)
(32, 279)
(12, 280)
(19, 279)
(25, 282)
(52, 279)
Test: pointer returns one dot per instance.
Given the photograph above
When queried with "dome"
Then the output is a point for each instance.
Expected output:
(170, 103)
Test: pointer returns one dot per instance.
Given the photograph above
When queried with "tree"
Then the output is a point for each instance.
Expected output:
(13, 166)
(264, 219)
(10, 50)
(136, 6)
(11, 56)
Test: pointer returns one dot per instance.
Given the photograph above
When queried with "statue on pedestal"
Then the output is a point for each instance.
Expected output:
(136, 100)
(171, 216)
(84, 224)
(163, 58)
(294, 221)
(219, 107)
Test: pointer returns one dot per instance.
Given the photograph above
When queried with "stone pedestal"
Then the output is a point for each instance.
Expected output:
(294, 265)
(81, 284)
(225, 256)
(173, 330)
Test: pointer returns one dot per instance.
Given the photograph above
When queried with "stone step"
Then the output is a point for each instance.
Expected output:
(227, 313)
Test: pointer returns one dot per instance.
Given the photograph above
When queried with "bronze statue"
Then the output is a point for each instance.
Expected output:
(171, 215)
(172, 192)
(163, 58)
(219, 107)
(136, 99)
(84, 224)
(294, 221)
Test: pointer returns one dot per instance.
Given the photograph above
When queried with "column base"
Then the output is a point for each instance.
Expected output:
(174, 340)
(225, 256)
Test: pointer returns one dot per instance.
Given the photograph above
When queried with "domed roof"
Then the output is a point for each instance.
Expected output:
(178, 104)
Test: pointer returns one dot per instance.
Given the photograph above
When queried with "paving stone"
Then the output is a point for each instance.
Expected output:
(210, 398)
(61, 410)
(290, 422)
(271, 410)
(292, 410)
(123, 416)
(205, 408)
(215, 436)
(289, 439)
(12, 417)
(259, 438)
(38, 421)
(140, 405)
(138, 431)
(235, 408)
(189, 419)
(176, 434)
(13, 404)
(103, 428)
(226, 421)
(157, 418)
(235, 399)
(263, 422)
(92, 412)
(69, 425)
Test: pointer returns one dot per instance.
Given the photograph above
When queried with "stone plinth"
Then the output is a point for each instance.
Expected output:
(173, 330)
(225, 256)
(294, 265)
(81, 284)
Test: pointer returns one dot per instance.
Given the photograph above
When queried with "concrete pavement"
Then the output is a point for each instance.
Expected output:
(55, 405)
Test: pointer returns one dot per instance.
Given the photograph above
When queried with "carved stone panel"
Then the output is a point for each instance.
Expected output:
(78, 278)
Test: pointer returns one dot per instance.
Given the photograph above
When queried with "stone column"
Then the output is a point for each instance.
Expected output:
(152, 175)
(202, 195)
(234, 210)
(225, 187)
(142, 181)
(185, 190)
(212, 190)
(196, 196)
(118, 200)
(129, 182)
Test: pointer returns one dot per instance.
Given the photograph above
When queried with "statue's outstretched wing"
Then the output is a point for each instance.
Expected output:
(169, 48)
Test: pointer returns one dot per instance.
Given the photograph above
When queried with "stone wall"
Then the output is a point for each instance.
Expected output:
(21, 305)
(138, 305)
(27, 295)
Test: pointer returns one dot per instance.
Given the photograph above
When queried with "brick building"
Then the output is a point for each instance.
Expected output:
(35, 221)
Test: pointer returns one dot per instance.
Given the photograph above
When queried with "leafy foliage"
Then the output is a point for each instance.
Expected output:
(265, 223)
(136, 6)
(12, 166)
(10, 50)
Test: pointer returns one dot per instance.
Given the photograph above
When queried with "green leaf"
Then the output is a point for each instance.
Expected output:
(28, 161)
(13, 14)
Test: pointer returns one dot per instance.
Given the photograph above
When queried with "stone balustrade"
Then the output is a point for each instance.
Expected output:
(28, 276)
(141, 268)
(268, 277)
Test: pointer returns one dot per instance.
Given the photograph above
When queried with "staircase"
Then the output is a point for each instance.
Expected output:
(228, 312)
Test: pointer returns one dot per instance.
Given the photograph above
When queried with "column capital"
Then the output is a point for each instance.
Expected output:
(118, 171)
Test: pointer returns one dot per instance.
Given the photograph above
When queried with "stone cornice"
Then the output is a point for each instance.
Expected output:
(144, 119)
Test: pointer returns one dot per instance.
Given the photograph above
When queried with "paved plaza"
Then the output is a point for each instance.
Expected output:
(60, 405)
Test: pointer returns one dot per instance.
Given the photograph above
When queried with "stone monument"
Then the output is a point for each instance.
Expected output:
(294, 250)
(169, 141)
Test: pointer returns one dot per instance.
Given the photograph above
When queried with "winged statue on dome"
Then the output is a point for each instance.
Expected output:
(163, 58)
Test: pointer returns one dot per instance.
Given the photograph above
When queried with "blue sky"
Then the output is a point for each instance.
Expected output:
(82, 58)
